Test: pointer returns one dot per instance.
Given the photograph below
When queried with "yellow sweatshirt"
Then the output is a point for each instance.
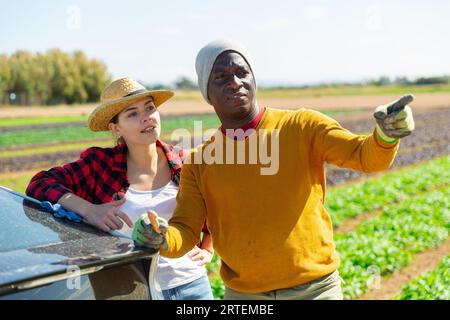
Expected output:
(271, 231)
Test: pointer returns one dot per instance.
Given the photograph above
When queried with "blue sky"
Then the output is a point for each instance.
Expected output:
(292, 42)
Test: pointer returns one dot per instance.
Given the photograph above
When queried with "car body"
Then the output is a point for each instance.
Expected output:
(43, 257)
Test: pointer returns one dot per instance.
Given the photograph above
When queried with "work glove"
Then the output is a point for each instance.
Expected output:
(149, 230)
(395, 119)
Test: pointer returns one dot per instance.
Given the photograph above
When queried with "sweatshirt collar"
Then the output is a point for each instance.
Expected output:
(241, 133)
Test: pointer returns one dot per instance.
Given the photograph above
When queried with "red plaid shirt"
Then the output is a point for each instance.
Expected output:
(98, 176)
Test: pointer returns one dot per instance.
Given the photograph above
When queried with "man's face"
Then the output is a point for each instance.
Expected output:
(231, 86)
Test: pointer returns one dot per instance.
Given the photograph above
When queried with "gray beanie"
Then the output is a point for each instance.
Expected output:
(208, 55)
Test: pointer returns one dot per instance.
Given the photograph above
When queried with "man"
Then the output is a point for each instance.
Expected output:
(271, 231)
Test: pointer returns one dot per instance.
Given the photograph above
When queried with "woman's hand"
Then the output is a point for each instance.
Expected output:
(107, 216)
(201, 256)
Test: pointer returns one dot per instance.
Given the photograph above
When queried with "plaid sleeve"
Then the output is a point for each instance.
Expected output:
(73, 177)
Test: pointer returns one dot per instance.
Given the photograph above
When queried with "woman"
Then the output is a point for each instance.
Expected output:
(111, 187)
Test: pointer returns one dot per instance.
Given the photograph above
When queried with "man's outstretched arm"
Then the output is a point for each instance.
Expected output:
(366, 153)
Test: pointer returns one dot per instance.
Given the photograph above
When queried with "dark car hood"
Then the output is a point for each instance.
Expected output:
(34, 245)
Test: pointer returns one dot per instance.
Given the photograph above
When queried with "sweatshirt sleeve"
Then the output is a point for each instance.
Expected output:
(189, 215)
(334, 144)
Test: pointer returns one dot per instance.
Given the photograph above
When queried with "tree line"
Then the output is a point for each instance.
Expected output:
(53, 77)
(56, 77)
(385, 80)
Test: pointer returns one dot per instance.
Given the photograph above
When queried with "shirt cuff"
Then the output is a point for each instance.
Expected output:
(384, 144)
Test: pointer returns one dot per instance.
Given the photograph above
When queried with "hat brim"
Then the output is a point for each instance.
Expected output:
(103, 114)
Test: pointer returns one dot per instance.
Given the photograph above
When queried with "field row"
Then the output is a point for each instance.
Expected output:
(433, 285)
(348, 202)
(387, 243)
(64, 133)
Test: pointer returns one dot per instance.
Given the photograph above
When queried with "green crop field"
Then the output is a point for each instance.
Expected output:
(41, 120)
(45, 135)
(387, 243)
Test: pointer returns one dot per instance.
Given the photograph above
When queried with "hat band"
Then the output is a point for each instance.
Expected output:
(135, 92)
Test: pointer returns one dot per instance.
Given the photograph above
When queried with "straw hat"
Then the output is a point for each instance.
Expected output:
(117, 96)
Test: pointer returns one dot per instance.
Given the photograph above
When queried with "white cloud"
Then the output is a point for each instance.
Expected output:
(316, 12)
(271, 25)
(199, 17)
(379, 41)
(169, 31)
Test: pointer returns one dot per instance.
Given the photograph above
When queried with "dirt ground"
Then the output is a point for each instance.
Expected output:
(182, 107)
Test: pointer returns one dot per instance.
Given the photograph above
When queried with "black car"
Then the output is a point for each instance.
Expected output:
(43, 257)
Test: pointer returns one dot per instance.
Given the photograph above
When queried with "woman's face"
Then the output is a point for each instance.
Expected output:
(138, 124)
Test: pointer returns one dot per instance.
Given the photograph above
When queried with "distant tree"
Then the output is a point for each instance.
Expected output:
(40, 76)
(381, 81)
(5, 78)
(51, 78)
(21, 63)
(432, 80)
(94, 76)
(184, 83)
(157, 86)
(401, 80)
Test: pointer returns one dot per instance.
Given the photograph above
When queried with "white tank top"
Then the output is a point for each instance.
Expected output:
(171, 272)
